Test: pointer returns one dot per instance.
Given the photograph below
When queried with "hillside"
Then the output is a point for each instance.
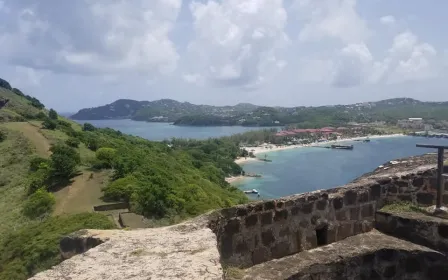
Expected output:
(185, 113)
(53, 171)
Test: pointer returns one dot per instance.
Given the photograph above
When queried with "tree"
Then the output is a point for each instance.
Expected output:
(107, 156)
(73, 142)
(5, 84)
(39, 204)
(49, 124)
(64, 161)
(53, 114)
(88, 127)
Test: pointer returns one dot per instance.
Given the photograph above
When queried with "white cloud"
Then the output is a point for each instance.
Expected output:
(388, 20)
(92, 37)
(337, 19)
(237, 42)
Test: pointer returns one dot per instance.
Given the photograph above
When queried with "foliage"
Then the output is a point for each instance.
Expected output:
(37, 163)
(52, 114)
(35, 247)
(121, 189)
(5, 84)
(39, 204)
(3, 135)
(49, 124)
(64, 161)
(107, 156)
(88, 127)
(73, 142)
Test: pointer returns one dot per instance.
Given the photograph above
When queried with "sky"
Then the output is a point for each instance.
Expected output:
(86, 53)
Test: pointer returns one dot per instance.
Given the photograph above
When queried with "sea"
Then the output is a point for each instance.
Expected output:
(295, 170)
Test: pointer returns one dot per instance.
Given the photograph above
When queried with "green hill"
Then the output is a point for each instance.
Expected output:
(53, 171)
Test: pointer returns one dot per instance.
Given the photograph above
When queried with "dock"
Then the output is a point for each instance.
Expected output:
(342, 147)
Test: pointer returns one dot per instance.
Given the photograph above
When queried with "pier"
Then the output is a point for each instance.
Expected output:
(342, 147)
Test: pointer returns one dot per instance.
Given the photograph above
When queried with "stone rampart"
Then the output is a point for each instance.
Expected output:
(257, 232)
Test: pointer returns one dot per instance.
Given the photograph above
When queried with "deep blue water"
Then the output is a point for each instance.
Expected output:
(307, 169)
(161, 131)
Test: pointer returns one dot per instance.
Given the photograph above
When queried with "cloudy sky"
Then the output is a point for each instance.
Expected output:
(85, 53)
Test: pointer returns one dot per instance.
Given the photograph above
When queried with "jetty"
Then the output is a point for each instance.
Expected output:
(342, 147)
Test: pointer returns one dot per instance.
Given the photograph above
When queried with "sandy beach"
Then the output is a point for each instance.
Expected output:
(274, 148)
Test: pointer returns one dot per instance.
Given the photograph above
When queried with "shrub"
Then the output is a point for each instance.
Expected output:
(64, 160)
(37, 163)
(49, 124)
(2, 135)
(121, 189)
(107, 156)
(73, 142)
(39, 179)
(41, 116)
(39, 204)
(92, 144)
(35, 247)
(53, 114)
(88, 127)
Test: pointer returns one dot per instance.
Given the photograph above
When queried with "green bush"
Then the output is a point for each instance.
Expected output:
(39, 204)
(107, 156)
(73, 142)
(39, 179)
(121, 189)
(88, 127)
(37, 163)
(35, 247)
(2, 135)
(40, 116)
(64, 161)
(49, 124)
(53, 114)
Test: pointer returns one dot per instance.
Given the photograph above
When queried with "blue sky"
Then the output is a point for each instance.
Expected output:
(85, 53)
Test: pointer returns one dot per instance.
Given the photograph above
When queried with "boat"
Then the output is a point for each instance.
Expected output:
(253, 191)
(342, 147)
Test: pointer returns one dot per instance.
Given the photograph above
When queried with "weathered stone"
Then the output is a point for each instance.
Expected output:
(267, 237)
(324, 195)
(354, 213)
(280, 249)
(368, 259)
(363, 197)
(269, 205)
(389, 271)
(258, 207)
(412, 265)
(260, 255)
(232, 226)
(295, 211)
(289, 203)
(321, 204)
(331, 235)
(386, 255)
(311, 241)
(341, 215)
(304, 223)
(367, 211)
(241, 247)
(226, 247)
(445, 199)
(251, 220)
(405, 197)
(392, 189)
(344, 231)
(417, 182)
(279, 204)
(312, 198)
(384, 180)
(281, 215)
(307, 208)
(443, 230)
(402, 183)
(375, 191)
(266, 218)
(241, 212)
(350, 197)
(437, 272)
(425, 198)
(228, 212)
(338, 202)
(284, 232)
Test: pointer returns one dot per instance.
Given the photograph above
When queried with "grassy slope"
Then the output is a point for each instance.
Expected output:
(16, 106)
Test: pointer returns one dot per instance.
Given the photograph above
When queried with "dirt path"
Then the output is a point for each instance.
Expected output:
(81, 195)
(33, 134)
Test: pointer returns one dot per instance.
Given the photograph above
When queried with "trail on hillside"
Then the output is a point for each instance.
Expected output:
(33, 134)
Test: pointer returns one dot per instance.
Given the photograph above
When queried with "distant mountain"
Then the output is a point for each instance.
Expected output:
(185, 113)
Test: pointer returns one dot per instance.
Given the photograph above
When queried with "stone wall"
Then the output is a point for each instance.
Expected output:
(257, 232)
(111, 206)
(415, 227)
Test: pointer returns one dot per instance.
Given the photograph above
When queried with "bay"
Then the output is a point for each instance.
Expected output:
(160, 131)
(307, 169)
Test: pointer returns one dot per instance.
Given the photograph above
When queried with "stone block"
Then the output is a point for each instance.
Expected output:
(321, 204)
(338, 202)
(425, 198)
(280, 249)
(279, 205)
(226, 245)
(443, 231)
(284, 231)
(269, 205)
(344, 230)
(311, 198)
(241, 247)
(386, 255)
(266, 218)
(445, 199)
(251, 220)
(389, 271)
(258, 207)
(228, 212)
(350, 197)
(375, 191)
(289, 203)
(295, 210)
(281, 215)
(384, 180)
(417, 182)
(304, 223)
(331, 235)
(404, 197)
(267, 237)
(307, 208)
(367, 211)
(311, 242)
(241, 212)
(363, 197)
(412, 265)
(392, 189)
(341, 215)
(260, 255)
(354, 213)
(232, 226)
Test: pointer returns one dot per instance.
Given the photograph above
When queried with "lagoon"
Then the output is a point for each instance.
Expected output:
(161, 131)
(307, 169)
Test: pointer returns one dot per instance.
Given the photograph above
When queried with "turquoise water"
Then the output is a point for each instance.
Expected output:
(161, 131)
(307, 169)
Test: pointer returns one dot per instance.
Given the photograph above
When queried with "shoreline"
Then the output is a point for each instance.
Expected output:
(264, 149)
